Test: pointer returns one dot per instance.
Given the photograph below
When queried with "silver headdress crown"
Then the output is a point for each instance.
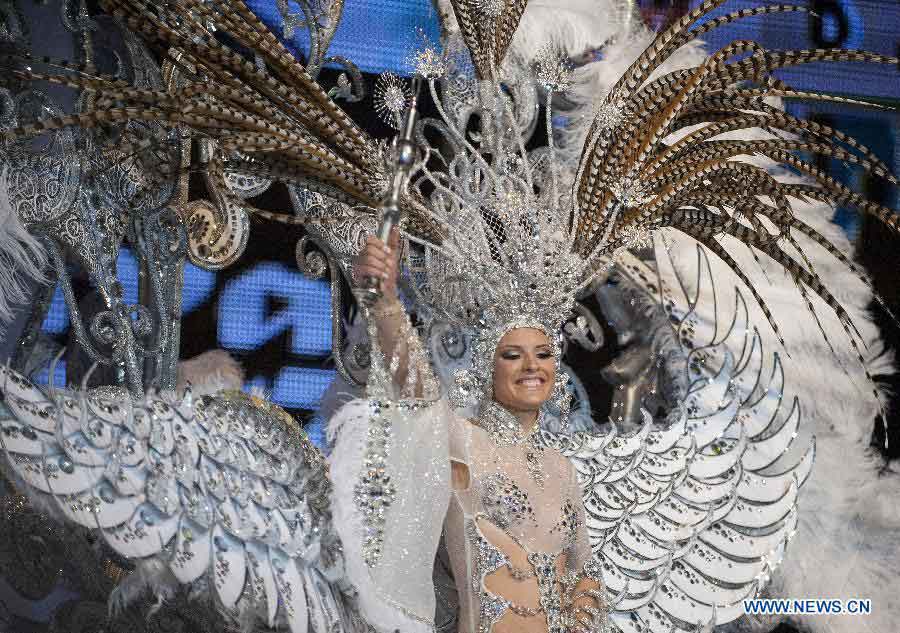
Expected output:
(506, 259)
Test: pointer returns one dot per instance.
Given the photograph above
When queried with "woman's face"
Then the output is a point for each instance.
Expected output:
(524, 370)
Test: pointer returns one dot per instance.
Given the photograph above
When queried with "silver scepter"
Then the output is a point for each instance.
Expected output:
(369, 290)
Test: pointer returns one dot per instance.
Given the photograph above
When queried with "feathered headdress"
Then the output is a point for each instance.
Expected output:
(523, 232)
(506, 234)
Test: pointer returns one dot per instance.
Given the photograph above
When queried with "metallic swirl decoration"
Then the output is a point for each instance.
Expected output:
(81, 191)
(218, 231)
(321, 19)
(45, 177)
(338, 233)
(218, 228)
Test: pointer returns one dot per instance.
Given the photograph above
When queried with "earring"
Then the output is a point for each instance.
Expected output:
(562, 401)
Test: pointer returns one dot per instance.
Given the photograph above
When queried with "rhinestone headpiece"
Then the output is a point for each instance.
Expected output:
(506, 259)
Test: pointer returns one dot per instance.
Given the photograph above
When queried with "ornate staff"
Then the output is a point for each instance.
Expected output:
(369, 291)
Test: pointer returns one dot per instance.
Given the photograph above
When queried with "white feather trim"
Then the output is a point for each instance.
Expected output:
(22, 257)
(347, 431)
(574, 26)
(396, 593)
(210, 372)
(151, 575)
(344, 465)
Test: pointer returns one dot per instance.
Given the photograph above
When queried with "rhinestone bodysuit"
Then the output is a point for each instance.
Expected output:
(513, 539)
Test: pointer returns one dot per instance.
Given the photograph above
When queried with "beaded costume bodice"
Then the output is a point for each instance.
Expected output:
(515, 533)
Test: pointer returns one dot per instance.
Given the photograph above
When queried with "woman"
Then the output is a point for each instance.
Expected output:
(514, 528)
(511, 234)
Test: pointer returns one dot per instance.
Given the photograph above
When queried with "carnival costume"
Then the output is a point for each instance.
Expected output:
(224, 493)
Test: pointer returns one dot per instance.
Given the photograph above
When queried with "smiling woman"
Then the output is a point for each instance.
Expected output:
(524, 372)
(515, 526)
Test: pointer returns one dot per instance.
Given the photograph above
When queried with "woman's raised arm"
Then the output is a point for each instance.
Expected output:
(391, 322)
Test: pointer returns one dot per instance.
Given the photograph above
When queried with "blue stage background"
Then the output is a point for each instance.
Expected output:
(278, 322)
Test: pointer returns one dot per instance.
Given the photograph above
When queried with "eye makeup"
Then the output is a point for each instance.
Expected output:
(515, 352)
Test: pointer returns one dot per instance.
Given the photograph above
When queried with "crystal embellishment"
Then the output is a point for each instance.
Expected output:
(608, 115)
(506, 430)
(505, 502)
(490, 558)
(375, 491)
(492, 609)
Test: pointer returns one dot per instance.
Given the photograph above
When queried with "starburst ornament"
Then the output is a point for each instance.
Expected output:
(636, 237)
(491, 8)
(552, 69)
(428, 61)
(512, 205)
(392, 96)
(629, 192)
(608, 115)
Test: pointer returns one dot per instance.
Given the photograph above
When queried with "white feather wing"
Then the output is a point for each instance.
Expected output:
(222, 487)
(690, 519)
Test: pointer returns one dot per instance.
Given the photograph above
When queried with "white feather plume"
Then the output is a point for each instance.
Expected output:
(22, 257)
(150, 576)
(210, 372)
(593, 81)
(573, 26)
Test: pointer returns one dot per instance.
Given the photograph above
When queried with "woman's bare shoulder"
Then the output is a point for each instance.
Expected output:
(475, 430)
(464, 424)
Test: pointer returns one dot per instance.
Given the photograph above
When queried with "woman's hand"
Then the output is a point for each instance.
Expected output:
(392, 327)
(380, 261)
